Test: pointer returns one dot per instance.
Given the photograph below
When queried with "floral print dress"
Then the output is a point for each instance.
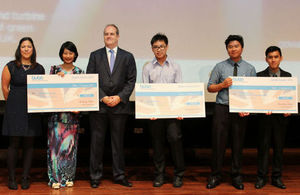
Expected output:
(62, 141)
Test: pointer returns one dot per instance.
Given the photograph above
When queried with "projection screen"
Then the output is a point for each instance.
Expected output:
(196, 30)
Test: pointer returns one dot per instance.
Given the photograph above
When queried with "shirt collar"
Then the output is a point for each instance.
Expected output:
(233, 62)
(276, 73)
(167, 62)
(115, 49)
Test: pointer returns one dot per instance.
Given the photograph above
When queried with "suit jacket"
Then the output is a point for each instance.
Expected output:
(120, 82)
(265, 73)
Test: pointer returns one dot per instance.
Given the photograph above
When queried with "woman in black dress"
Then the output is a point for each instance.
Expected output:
(18, 125)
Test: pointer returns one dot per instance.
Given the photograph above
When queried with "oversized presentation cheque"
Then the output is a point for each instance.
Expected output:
(263, 94)
(169, 100)
(53, 93)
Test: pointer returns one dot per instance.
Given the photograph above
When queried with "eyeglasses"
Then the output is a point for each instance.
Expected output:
(233, 46)
(159, 47)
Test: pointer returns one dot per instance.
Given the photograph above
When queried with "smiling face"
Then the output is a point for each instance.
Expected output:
(26, 50)
(273, 59)
(68, 56)
(234, 50)
(160, 49)
(111, 37)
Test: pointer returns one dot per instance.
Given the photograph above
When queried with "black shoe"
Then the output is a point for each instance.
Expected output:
(12, 184)
(212, 182)
(124, 182)
(278, 183)
(260, 183)
(158, 181)
(25, 183)
(177, 182)
(94, 183)
(238, 184)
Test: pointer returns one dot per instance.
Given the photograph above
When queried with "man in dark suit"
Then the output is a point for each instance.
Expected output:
(117, 75)
(271, 126)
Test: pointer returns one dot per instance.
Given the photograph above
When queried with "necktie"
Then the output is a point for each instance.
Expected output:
(235, 69)
(112, 60)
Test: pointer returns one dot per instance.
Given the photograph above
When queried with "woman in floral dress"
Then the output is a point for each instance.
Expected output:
(63, 129)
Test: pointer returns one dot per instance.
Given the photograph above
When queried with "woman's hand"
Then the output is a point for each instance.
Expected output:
(62, 74)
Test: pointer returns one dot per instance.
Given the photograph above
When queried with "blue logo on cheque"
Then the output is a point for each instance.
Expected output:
(37, 78)
(145, 86)
(237, 79)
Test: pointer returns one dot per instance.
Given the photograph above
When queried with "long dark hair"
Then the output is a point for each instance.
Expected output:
(18, 55)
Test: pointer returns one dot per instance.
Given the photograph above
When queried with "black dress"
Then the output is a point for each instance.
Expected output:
(16, 121)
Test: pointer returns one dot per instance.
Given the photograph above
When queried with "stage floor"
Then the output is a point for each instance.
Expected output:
(141, 177)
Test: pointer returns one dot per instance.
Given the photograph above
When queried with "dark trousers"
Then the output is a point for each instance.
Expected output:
(12, 156)
(99, 124)
(170, 128)
(271, 128)
(227, 124)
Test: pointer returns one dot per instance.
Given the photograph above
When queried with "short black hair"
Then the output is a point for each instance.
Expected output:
(69, 46)
(272, 49)
(159, 37)
(18, 56)
(238, 38)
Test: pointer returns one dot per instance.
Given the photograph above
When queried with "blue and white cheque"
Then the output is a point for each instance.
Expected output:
(171, 100)
(53, 93)
(263, 94)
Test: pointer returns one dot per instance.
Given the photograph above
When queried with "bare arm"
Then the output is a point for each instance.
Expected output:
(218, 87)
(5, 82)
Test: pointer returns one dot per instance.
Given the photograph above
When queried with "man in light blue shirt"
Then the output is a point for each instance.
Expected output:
(225, 123)
(163, 70)
(168, 72)
(221, 73)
